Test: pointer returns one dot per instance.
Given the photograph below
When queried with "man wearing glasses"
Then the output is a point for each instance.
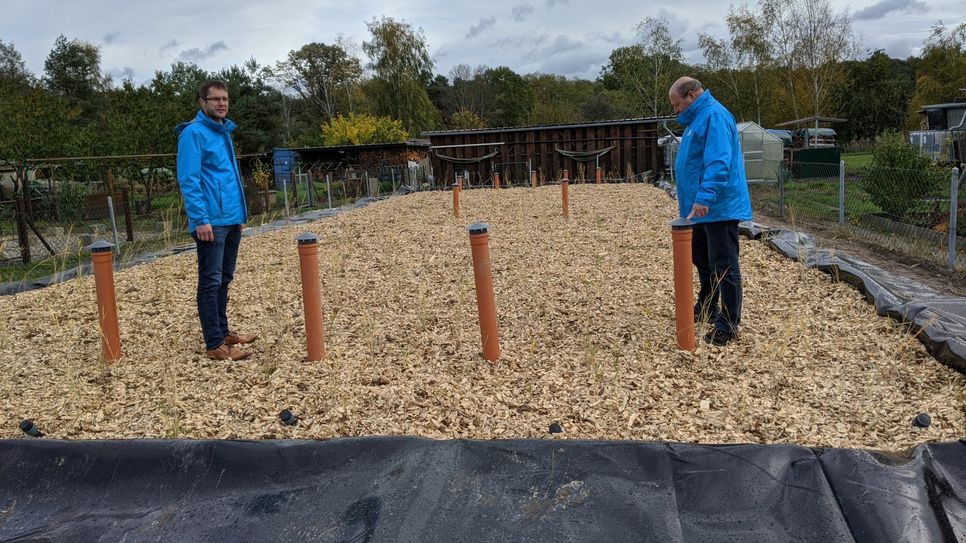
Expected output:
(713, 192)
(215, 204)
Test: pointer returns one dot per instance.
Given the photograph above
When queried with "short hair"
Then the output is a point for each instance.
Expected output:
(211, 84)
(687, 86)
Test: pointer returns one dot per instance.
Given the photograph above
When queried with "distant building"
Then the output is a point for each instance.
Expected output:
(943, 134)
(622, 148)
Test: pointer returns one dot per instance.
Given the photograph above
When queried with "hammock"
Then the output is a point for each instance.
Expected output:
(456, 160)
(584, 156)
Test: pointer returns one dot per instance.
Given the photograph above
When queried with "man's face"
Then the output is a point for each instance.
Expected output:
(215, 104)
(680, 103)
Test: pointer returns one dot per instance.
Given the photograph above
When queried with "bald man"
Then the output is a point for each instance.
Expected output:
(713, 192)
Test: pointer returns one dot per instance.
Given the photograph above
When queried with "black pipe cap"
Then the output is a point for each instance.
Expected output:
(478, 228)
(100, 246)
(922, 420)
(555, 428)
(307, 238)
(30, 428)
(287, 417)
(681, 224)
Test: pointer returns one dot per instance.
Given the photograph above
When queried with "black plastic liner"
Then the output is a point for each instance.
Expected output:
(939, 321)
(400, 489)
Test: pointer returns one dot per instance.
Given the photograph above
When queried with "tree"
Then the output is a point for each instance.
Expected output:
(941, 72)
(361, 129)
(874, 96)
(737, 63)
(402, 69)
(35, 124)
(811, 43)
(463, 119)
(649, 67)
(13, 70)
(512, 98)
(73, 70)
(322, 75)
(255, 105)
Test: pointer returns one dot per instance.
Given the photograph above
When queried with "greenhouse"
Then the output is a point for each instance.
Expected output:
(762, 152)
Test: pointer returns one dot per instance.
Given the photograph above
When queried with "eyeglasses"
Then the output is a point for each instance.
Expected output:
(218, 99)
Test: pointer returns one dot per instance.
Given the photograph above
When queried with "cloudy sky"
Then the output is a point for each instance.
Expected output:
(566, 37)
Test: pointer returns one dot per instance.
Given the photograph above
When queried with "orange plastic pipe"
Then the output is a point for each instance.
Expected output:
(565, 192)
(483, 273)
(681, 231)
(103, 262)
(456, 200)
(496, 180)
(533, 179)
(311, 296)
(566, 175)
(598, 174)
(459, 181)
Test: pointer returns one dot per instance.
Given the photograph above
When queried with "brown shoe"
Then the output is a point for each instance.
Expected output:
(234, 339)
(227, 352)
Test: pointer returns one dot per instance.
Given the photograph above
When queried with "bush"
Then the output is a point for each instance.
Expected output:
(71, 201)
(901, 177)
(362, 129)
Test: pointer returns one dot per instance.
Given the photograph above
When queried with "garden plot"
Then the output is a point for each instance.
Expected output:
(586, 318)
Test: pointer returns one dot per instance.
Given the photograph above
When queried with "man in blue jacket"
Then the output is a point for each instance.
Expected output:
(214, 201)
(713, 192)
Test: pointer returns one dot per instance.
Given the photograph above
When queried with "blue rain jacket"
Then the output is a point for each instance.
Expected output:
(709, 168)
(208, 173)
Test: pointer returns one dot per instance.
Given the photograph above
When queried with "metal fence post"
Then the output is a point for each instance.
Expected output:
(117, 243)
(953, 212)
(842, 192)
(781, 192)
(328, 188)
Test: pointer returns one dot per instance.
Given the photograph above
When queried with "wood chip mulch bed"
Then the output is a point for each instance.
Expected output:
(585, 312)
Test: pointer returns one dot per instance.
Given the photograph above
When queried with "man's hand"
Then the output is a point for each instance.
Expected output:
(698, 210)
(204, 233)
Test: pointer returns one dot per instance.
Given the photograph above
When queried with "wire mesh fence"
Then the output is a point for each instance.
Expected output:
(136, 204)
(905, 211)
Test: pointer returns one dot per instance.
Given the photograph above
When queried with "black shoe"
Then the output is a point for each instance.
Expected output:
(718, 338)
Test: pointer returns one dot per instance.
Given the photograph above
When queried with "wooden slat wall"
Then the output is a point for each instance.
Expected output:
(635, 147)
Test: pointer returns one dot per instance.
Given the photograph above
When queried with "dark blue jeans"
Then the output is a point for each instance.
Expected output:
(216, 268)
(714, 251)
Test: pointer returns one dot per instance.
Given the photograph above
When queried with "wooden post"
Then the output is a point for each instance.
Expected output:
(565, 195)
(456, 200)
(128, 217)
(533, 179)
(22, 235)
(496, 180)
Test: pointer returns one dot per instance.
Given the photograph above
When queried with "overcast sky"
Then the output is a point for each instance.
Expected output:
(565, 37)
